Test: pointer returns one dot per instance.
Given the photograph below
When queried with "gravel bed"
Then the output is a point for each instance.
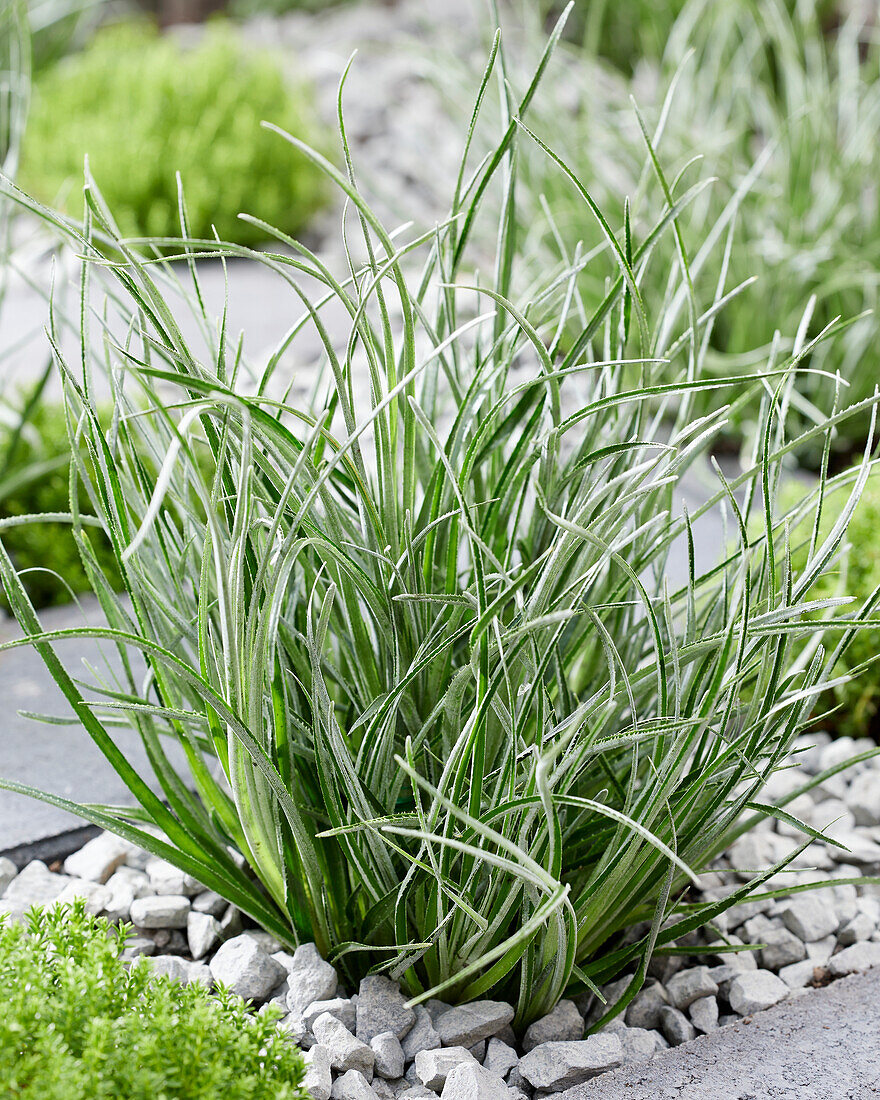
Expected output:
(370, 1044)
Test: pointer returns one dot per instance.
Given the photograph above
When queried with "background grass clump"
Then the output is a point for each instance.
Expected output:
(627, 32)
(57, 27)
(77, 1023)
(776, 104)
(143, 106)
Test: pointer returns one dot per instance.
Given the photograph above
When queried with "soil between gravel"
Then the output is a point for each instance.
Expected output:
(824, 1045)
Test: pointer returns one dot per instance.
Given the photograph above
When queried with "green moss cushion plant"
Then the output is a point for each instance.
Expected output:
(143, 107)
(77, 1023)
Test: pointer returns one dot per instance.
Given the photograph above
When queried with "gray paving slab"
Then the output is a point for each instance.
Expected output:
(60, 759)
(824, 1045)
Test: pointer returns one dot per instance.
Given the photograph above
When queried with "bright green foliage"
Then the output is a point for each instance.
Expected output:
(780, 110)
(857, 701)
(34, 480)
(77, 1023)
(143, 107)
(436, 647)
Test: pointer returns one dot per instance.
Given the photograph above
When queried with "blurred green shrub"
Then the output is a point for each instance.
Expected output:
(34, 478)
(856, 703)
(143, 106)
(78, 1023)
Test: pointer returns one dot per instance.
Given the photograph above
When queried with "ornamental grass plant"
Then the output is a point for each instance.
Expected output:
(778, 103)
(457, 702)
(851, 707)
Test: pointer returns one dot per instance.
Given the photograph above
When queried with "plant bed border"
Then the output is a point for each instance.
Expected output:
(51, 848)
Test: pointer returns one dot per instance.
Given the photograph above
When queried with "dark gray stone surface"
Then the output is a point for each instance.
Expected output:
(60, 759)
(824, 1045)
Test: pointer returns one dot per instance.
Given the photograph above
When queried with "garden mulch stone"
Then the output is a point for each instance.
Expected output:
(309, 978)
(352, 1085)
(675, 1026)
(756, 990)
(562, 1024)
(34, 885)
(160, 911)
(346, 1051)
(390, 1061)
(381, 1007)
(98, 859)
(690, 985)
(471, 1081)
(468, 1024)
(860, 956)
(704, 1014)
(318, 1080)
(202, 933)
(423, 1035)
(343, 1008)
(434, 1066)
(553, 1067)
(245, 968)
(501, 1057)
(639, 1045)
